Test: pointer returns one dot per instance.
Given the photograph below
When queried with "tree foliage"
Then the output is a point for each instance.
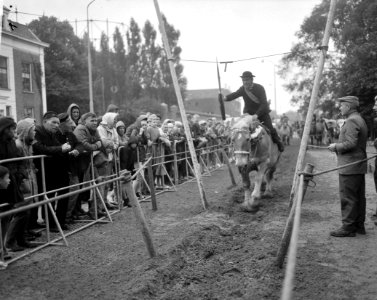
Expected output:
(130, 73)
(349, 70)
(65, 63)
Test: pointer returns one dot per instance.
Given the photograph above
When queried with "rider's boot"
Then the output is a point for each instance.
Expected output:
(276, 139)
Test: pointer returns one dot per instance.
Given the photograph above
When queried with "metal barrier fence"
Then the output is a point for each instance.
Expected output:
(219, 154)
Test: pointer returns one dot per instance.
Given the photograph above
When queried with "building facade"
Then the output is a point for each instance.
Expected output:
(22, 76)
(206, 103)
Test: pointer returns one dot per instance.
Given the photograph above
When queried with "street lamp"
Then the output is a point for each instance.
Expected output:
(91, 104)
(274, 66)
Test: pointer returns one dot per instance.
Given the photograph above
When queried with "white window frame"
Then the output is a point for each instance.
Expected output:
(27, 77)
(6, 72)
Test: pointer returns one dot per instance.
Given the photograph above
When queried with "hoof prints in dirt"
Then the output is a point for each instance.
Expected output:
(205, 262)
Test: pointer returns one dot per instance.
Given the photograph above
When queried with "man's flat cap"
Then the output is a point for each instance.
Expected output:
(350, 99)
(63, 117)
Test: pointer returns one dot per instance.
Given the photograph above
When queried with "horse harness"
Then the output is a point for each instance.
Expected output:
(253, 141)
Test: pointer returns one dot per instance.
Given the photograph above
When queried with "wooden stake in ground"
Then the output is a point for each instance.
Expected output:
(313, 99)
(139, 215)
(181, 106)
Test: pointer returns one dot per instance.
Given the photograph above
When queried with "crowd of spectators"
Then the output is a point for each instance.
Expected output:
(77, 146)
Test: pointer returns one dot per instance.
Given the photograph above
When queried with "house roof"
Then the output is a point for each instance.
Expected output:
(22, 32)
(204, 94)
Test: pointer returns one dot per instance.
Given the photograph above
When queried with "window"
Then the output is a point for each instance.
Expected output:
(26, 77)
(1, 112)
(3, 72)
(8, 111)
(29, 112)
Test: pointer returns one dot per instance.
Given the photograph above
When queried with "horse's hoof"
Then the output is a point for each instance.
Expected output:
(254, 209)
(249, 208)
(239, 200)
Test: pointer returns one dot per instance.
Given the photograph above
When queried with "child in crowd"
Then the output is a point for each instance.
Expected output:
(4, 178)
(4, 183)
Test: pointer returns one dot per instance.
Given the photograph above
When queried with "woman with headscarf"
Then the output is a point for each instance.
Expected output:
(74, 113)
(110, 142)
(25, 138)
(121, 130)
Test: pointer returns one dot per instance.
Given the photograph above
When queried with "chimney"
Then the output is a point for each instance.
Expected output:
(5, 22)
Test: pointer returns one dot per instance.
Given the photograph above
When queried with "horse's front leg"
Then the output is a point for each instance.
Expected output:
(246, 186)
(256, 195)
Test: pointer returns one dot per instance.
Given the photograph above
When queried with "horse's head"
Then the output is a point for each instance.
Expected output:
(245, 140)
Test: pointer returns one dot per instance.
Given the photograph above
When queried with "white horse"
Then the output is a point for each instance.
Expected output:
(254, 151)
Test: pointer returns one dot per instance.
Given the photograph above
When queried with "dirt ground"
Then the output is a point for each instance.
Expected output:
(222, 253)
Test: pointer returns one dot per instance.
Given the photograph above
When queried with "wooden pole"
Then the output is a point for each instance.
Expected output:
(181, 106)
(313, 99)
(139, 215)
(151, 183)
(282, 252)
(292, 255)
(176, 181)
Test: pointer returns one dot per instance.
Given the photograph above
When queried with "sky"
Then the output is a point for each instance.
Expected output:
(223, 29)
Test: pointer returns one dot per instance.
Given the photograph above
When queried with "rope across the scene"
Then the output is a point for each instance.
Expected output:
(337, 168)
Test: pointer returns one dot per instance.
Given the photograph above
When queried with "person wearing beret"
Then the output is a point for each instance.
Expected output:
(350, 148)
(256, 103)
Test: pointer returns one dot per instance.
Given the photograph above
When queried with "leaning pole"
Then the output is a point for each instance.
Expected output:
(181, 106)
(313, 99)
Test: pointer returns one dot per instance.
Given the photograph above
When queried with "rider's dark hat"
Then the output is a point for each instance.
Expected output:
(247, 74)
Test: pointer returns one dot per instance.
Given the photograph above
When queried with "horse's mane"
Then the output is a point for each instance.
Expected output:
(244, 122)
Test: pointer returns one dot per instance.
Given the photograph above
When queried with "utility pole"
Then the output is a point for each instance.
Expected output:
(91, 102)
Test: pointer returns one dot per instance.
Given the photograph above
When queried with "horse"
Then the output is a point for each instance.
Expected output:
(319, 131)
(254, 151)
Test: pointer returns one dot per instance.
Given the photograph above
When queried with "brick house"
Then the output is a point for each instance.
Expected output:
(22, 77)
(206, 103)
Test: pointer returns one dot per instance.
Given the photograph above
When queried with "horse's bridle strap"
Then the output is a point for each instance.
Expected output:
(241, 152)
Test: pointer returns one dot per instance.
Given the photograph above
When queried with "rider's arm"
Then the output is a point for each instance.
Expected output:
(234, 95)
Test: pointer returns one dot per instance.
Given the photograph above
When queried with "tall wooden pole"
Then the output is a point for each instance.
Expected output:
(313, 99)
(181, 106)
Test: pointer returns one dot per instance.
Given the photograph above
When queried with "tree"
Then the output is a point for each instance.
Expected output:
(150, 56)
(120, 68)
(65, 64)
(133, 73)
(350, 70)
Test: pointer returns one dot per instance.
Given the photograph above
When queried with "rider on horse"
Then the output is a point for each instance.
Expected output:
(256, 103)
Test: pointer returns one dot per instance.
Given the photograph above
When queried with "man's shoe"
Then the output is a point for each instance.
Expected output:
(54, 229)
(341, 232)
(111, 207)
(27, 245)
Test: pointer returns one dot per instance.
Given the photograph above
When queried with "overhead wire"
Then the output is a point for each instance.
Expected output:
(226, 62)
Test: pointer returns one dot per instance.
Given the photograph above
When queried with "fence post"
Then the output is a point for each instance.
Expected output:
(139, 215)
(175, 163)
(151, 183)
(282, 252)
(225, 157)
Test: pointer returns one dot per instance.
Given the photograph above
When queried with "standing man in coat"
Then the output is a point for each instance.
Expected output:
(351, 148)
(256, 103)
(56, 164)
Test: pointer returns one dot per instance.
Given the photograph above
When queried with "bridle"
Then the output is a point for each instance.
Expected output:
(253, 141)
